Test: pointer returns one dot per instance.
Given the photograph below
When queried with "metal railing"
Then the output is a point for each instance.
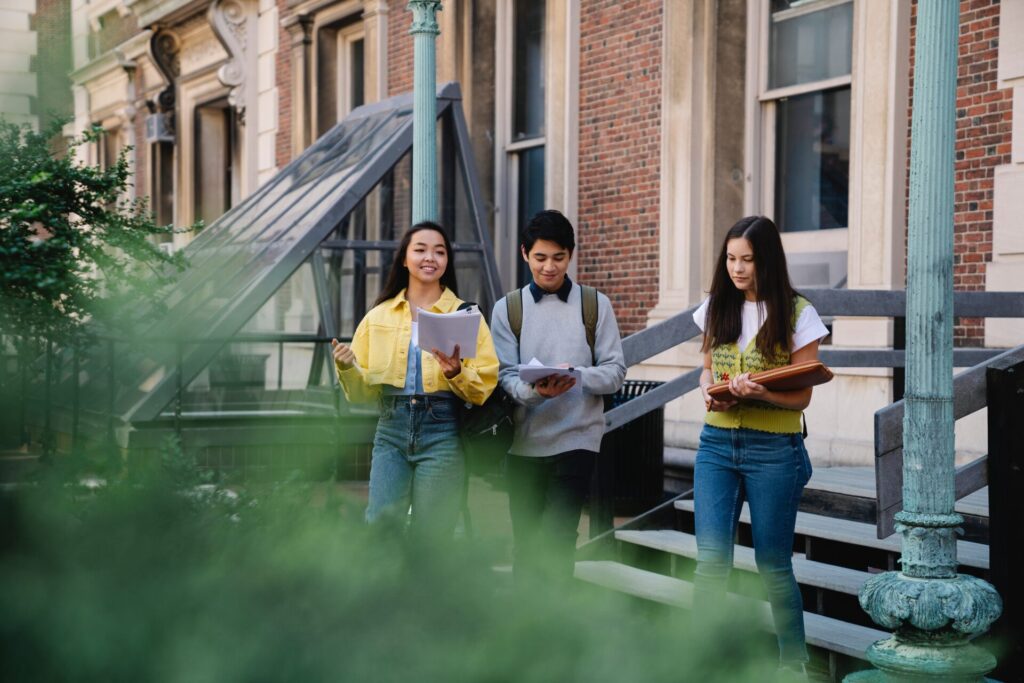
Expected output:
(969, 386)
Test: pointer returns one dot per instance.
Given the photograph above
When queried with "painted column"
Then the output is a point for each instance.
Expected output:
(424, 125)
(933, 610)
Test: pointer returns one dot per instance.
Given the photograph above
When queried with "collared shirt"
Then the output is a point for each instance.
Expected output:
(382, 345)
(563, 292)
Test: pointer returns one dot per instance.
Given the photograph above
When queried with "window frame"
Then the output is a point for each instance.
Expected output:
(508, 150)
(763, 102)
(346, 38)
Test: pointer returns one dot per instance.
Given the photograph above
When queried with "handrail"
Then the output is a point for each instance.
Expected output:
(969, 396)
(587, 549)
(680, 328)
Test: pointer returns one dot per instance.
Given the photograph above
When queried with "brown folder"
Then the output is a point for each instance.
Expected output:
(787, 378)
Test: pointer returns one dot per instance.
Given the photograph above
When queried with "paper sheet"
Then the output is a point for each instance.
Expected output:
(442, 331)
(535, 371)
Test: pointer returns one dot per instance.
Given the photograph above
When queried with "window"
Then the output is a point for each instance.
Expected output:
(805, 101)
(340, 72)
(161, 155)
(216, 148)
(523, 145)
(108, 148)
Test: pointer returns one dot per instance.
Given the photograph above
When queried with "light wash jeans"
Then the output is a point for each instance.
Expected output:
(417, 460)
(769, 471)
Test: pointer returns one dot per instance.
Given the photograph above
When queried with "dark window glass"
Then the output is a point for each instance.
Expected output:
(531, 196)
(810, 46)
(812, 160)
(528, 69)
(356, 80)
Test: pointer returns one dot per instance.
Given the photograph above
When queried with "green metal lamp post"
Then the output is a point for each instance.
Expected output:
(933, 610)
(424, 124)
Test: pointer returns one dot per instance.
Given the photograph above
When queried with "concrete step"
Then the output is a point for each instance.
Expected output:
(808, 572)
(826, 633)
(860, 534)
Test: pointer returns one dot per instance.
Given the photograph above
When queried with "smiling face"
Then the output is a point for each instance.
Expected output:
(426, 258)
(548, 262)
(740, 265)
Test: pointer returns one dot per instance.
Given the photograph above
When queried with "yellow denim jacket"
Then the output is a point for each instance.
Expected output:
(381, 343)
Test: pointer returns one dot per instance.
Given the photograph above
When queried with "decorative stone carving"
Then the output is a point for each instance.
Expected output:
(230, 20)
(165, 48)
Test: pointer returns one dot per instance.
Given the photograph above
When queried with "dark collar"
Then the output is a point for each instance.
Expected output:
(563, 291)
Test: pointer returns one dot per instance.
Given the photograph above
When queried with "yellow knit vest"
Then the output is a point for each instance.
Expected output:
(727, 361)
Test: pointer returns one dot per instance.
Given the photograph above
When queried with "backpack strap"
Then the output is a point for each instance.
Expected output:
(589, 311)
(588, 300)
(514, 310)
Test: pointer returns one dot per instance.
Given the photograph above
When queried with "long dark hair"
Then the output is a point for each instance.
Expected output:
(725, 317)
(398, 276)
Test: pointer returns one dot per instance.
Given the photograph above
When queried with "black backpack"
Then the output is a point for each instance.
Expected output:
(487, 430)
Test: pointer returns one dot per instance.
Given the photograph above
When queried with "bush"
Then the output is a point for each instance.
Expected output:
(152, 578)
(72, 247)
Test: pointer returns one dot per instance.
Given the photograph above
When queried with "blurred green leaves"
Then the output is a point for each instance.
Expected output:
(155, 578)
(73, 247)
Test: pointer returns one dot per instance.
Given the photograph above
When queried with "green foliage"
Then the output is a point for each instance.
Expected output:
(72, 248)
(160, 577)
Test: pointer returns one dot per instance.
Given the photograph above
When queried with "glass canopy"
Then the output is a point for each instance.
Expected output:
(246, 327)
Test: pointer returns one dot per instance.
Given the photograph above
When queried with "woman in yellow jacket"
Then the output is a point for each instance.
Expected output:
(416, 456)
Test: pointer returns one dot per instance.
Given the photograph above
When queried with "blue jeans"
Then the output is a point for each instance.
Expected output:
(417, 461)
(769, 471)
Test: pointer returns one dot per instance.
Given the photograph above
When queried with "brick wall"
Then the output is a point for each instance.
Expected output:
(983, 128)
(283, 144)
(619, 153)
(400, 49)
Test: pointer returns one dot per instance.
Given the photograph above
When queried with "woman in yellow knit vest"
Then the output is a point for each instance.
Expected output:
(416, 456)
(751, 447)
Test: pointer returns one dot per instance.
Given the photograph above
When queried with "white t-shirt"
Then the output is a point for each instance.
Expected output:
(809, 327)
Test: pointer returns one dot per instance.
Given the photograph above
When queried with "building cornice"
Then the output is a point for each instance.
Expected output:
(122, 56)
(167, 12)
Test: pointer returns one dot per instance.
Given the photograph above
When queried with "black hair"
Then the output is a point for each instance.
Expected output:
(771, 285)
(548, 225)
(398, 276)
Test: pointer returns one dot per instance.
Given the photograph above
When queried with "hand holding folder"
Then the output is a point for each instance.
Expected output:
(787, 378)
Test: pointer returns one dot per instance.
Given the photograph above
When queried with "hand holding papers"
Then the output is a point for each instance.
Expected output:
(535, 371)
(443, 331)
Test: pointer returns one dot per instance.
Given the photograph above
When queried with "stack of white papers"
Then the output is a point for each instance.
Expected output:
(442, 331)
(534, 371)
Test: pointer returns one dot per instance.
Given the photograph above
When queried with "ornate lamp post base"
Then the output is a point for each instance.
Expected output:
(933, 611)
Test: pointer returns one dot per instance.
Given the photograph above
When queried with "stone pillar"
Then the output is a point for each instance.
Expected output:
(933, 610)
(424, 127)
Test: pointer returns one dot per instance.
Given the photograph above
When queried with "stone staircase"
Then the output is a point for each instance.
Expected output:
(832, 558)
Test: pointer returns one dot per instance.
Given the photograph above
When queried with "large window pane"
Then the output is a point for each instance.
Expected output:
(528, 70)
(531, 197)
(812, 161)
(356, 77)
(810, 46)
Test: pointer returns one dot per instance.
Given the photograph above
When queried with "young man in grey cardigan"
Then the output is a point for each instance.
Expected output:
(558, 425)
